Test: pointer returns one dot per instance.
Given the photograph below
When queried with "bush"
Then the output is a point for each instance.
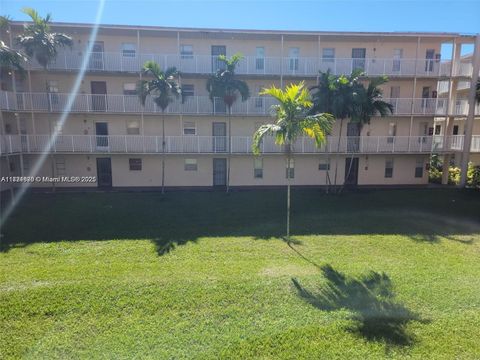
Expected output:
(435, 173)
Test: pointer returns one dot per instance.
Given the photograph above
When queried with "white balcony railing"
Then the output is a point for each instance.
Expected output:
(10, 144)
(253, 65)
(256, 106)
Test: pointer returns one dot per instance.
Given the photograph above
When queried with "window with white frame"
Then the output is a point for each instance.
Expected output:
(259, 100)
(60, 165)
(392, 132)
(58, 128)
(258, 168)
(328, 55)
(186, 51)
(52, 88)
(129, 50)
(260, 58)
(293, 54)
(292, 169)
(419, 168)
(397, 59)
(191, 165)
(324, 165)
(188, 90)
(129, 89)
(189, 128)
(389, 167)
(135, 164)
(133, 128)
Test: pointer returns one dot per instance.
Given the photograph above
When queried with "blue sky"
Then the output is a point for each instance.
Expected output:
(323, 15)
(340, 15)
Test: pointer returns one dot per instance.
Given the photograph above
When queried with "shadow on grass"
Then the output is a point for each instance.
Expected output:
(378, 316)
(176, 218)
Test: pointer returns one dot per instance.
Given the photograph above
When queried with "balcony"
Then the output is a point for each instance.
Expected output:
(133, 144)
(195, 105)
(252, 65)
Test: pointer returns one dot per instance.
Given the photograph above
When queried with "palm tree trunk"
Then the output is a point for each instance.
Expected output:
(8, 160)
(337, 156)
(163, 151)
(229, 156)
(351, 159)
(288, 191)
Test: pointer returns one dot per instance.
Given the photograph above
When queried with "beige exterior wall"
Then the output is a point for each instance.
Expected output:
(166, 42)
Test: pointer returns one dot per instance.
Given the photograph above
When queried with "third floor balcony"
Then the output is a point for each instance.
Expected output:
(253, 65)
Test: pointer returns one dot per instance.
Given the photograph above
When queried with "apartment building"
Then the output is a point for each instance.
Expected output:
(108, 136)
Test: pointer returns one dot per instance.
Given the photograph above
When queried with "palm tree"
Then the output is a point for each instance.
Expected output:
(163, 88)
(293, 118)
(368, 103)
(334, 94)
(223, 84)
(11, 58)
(39, 41)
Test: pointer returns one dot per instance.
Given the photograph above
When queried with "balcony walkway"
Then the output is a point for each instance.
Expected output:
(196, 105)
(132, 144)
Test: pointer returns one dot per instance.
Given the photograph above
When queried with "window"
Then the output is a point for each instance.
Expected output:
(190, 164)
(188, 90)
(389, 167)
(128, 50)
(133, 128)
(135, 164)
(394, 92)
(52, 88)
(397, 59)
(258, 168)
(186, 51)
(293, 54)
(129, 89)
(12, 166)
(58, 129)
(292, 169)
(8, 129)
(189, 128)
(438, 129)
(260, 58)
(419, 168)
(392, 132)
(455, 129)
(328, 55)
(324, 165)
(60, 165)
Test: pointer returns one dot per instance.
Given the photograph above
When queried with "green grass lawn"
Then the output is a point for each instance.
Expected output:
(372, 274)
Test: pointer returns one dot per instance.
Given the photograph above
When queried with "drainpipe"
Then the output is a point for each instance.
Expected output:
(281, 64)
(471, 113)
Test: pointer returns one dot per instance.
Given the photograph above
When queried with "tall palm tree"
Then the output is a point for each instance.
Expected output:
(39, 41)
(163, 88)
(335, 94)
(223, 84)
(368, 102)
(293, 118)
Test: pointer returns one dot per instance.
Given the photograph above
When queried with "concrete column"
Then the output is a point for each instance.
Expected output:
(471, 113)
(452, 92)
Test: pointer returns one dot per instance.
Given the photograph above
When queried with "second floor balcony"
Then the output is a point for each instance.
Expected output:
(126, 144)
(197, 105)
(253, 65)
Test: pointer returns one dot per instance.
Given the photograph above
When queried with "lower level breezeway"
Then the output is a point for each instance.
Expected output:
(118, 170)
